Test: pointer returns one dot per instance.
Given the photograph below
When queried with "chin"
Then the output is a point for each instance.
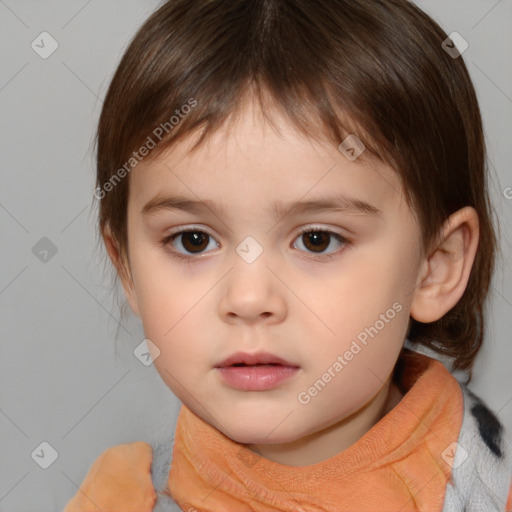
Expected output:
(259, 433)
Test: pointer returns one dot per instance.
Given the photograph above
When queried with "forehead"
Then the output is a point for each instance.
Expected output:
(248, 156)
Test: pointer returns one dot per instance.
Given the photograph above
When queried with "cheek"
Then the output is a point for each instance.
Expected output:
(182, 344)
(367, 359)
(173, 309)
(386, 272)
(371, 287)
(369, 312)
(162, 294)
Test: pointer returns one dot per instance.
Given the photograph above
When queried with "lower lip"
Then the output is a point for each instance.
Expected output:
(256, 378)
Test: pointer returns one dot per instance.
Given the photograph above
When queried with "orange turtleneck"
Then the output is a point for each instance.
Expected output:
(397, 465)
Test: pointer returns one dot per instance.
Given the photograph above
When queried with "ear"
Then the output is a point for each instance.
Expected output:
(445, 273)
(122, 266)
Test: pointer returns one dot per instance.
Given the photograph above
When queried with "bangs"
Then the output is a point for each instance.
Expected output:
(326, 71)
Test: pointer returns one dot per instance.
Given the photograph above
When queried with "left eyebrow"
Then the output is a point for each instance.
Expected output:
(278, 209)
(334, 203)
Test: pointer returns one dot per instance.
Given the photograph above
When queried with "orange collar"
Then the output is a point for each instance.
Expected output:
(397, 465)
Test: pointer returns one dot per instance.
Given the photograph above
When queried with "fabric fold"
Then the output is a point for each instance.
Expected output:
(399, 464)
(118, 480)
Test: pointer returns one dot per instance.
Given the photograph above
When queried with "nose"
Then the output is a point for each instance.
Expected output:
(252, 293)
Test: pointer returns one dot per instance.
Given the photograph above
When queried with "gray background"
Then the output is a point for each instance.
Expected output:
(65, 379)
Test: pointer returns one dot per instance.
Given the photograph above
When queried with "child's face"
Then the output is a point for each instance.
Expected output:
(300, 305)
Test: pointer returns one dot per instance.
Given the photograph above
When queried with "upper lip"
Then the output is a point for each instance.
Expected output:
(251, 359)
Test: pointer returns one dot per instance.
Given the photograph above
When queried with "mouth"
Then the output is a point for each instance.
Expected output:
(257, 364)
(259, 359)
(255, 372)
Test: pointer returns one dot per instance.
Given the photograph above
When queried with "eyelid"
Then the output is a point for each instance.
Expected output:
(165, 242)
(186, 229)
(191, 227)
(319, 227)
(307, 227)
(343, 240)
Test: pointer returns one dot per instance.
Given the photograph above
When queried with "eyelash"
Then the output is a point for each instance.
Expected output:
(188, 258)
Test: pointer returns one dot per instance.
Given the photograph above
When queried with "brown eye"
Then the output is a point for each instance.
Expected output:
(317, 241)
(188, 242)
(194, 241)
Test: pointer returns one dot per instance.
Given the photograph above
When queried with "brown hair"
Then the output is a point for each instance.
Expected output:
(371, 67)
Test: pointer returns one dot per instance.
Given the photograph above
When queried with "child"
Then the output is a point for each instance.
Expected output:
(290, 190)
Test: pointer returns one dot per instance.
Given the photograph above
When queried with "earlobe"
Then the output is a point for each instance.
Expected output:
(445, 273)
(122, 268)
